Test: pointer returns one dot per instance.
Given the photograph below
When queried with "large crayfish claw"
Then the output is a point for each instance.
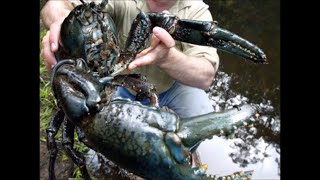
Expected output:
(207, 33)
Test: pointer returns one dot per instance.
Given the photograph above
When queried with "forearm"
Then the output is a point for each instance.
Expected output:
(192, 71)
(54, 11)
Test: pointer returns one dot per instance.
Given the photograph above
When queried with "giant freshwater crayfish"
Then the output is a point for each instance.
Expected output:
(144, 140)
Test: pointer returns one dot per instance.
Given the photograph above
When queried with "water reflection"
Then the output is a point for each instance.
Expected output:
(255, 147)
(239, 82)
(219, 150)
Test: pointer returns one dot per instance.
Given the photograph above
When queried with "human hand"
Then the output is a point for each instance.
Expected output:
(50, 44)
(157, 53)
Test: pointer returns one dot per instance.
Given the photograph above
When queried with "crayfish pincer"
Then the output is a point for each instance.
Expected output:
(145, 140)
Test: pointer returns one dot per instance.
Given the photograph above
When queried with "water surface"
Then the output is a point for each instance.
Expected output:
(240, 82)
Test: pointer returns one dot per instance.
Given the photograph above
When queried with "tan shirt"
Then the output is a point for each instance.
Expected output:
(125, 11)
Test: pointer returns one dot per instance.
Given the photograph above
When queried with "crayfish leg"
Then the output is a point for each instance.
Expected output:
(67, 143)
(52, 130)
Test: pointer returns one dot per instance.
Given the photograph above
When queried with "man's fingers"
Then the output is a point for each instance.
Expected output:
(150, 55)
(50, 45)
(141, 61)
(154, 42)
(54, 36)
(48, 56)
(164, 37)
(144, 52)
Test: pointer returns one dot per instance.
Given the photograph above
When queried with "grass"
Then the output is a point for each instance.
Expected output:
(47, 101)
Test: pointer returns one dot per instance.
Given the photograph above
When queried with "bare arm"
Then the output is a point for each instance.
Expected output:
(192, 71)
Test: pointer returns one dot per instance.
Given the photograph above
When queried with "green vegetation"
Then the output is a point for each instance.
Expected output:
(47, 102)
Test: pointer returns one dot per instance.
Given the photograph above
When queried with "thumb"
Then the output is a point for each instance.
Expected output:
(164, 37)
